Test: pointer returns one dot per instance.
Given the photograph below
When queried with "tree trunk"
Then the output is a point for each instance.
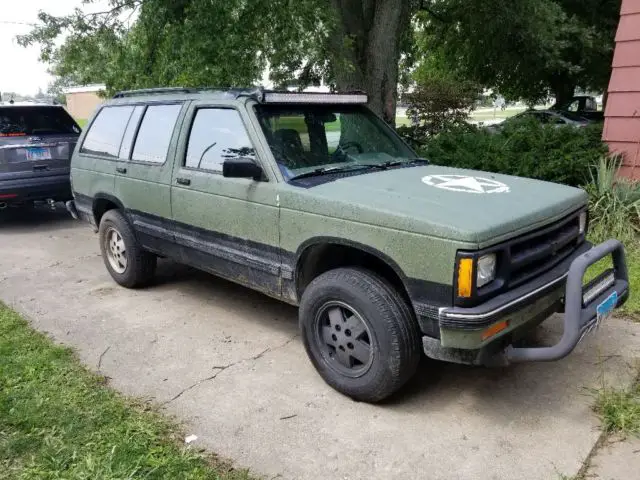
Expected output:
(366, 50)
(563, 91)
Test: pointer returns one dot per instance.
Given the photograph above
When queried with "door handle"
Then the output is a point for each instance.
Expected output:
(38, 168)
(121, 170)
(183, 181)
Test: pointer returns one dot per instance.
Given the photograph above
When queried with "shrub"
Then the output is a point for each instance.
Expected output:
(524, 148)
(438, 104)
(614, 204)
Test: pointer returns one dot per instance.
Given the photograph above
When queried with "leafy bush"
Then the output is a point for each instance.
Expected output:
(439, 104)
(614, 204)
(524, 148)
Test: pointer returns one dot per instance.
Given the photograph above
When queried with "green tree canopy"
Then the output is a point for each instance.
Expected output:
(350, 44)
(526, 48)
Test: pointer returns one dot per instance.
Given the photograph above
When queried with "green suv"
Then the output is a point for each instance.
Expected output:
(312, 199)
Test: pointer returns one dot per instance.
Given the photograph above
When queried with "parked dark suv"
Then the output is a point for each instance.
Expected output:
(36, 143)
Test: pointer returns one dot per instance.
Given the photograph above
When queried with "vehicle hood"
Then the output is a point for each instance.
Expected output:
(457, 204)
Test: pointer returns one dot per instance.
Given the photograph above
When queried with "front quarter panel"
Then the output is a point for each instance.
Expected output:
(426, 263)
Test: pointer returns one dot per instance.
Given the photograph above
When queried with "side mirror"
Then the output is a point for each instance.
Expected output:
(241, 167)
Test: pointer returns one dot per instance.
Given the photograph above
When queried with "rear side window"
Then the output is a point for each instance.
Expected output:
(105, 134)
(154, 135)
(217, 134)
(22, 121)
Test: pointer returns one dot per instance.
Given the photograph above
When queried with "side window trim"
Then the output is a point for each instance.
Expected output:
(173, 132)
(183, 159)
(87, 129)
(134, 139)
(135, 133)
(90, 126)
(85, 134)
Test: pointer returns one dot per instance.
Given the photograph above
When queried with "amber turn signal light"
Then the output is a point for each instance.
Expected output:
(494, 329)
(465, 277)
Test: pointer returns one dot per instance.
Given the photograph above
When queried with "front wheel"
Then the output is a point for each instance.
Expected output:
(126, 261)
(359, 333)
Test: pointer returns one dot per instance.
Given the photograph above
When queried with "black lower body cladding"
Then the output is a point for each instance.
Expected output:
(272, 267)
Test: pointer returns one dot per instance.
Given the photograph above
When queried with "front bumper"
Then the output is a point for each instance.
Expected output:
(463, 330)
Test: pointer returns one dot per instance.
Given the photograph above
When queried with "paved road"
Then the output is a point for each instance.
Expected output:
(229, 363)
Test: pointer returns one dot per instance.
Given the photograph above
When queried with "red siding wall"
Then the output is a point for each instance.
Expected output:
(622, 122)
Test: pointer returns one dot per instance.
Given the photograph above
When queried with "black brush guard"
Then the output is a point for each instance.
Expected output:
(581, 317)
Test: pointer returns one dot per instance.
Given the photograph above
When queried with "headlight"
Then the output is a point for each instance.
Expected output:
(486, 270)
(583, 222)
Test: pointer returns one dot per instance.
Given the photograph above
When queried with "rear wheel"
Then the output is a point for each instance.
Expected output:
(128, 264)
(359, 333)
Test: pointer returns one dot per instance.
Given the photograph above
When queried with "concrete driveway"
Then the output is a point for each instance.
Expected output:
(228, 362)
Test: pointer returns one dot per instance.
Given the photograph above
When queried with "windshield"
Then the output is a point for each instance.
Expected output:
(21, 121)
(304, 138)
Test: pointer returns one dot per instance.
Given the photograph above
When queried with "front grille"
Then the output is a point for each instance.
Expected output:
(540, 251)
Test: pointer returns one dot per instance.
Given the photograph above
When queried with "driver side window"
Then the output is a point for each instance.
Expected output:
(291, 140)
(216, 135)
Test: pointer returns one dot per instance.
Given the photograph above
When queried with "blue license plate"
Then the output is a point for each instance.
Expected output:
(606, 307)
(38, 153)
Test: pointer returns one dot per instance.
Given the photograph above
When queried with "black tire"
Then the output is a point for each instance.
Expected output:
(392, 332)
(140, 265)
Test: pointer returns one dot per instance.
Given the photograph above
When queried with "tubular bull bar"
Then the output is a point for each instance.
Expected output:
(584, 307)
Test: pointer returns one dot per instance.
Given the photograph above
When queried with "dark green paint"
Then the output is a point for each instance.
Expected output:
(417, 226)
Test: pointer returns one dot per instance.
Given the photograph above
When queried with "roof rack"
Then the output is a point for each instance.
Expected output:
(233, 92)
(258, 93)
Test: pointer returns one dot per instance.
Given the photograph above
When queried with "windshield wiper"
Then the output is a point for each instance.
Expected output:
(328, 170)
(409, 161)
(359, 166)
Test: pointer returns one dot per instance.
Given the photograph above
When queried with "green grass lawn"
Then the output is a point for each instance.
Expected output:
(483, 115)
(59, 421)
(298, 124)
(402, 121)
(619, 409)
(632, 307)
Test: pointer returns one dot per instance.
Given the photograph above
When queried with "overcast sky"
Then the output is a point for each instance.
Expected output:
(20, 70)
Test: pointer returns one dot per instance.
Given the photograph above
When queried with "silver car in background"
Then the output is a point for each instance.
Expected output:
(556, 118)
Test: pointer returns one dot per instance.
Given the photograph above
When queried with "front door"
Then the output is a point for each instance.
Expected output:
(143, 173)
(228, 226)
